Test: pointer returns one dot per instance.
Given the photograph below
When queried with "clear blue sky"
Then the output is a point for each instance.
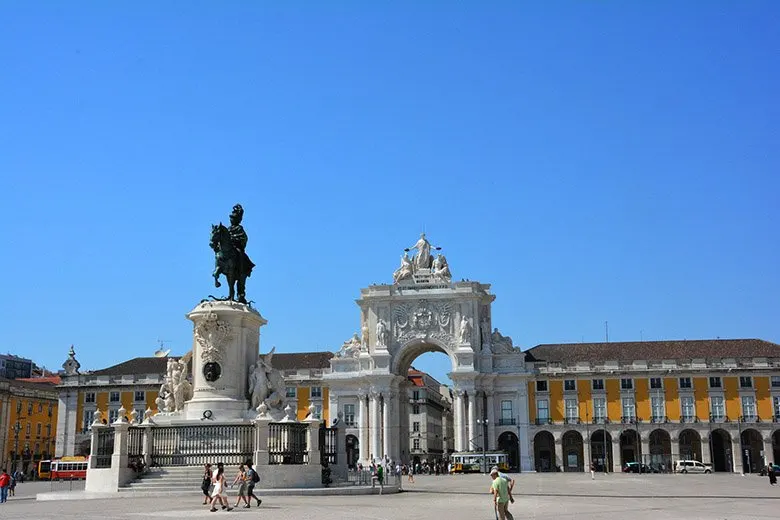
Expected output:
(592, 160)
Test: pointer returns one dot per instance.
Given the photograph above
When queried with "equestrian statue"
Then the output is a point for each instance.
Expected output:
(230, 258)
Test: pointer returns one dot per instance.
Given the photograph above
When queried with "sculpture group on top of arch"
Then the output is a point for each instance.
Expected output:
(423, 263)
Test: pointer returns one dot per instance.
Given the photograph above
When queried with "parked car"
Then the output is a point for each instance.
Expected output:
(763, 470)
(636, 467)
(691, 466)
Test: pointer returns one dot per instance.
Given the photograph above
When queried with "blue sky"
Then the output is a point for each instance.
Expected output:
(592, 160)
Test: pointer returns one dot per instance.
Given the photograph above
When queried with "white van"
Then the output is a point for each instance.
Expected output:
(691, 466)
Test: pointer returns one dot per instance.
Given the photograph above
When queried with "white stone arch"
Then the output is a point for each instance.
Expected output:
(424, 310)
(402, 359)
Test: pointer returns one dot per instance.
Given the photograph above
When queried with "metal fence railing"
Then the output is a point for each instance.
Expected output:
(105, 447)
(287, 443)
(196, 445)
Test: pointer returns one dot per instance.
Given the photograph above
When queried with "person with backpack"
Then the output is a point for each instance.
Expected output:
(252, 479)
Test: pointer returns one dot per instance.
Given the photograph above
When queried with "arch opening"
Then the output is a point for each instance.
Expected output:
(629, 447)
(425, 400)
(752, 445)
(660, 457)
(573, 457)
(601, 450)
(509, 443)
(720, 444)
(690, 445)
(544, 452)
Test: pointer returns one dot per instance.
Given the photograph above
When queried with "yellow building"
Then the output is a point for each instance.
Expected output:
(715, 401)
(28, 422)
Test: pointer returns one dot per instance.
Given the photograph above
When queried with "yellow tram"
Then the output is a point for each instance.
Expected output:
(474, 462)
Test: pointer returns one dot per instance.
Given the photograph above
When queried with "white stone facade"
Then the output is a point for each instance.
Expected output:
(423, 311)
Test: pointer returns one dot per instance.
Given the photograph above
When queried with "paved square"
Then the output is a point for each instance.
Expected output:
(539, 496)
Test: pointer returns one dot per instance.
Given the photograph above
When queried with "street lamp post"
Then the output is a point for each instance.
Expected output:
(17, 429)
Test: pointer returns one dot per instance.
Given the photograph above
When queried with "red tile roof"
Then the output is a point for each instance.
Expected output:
(654, 350)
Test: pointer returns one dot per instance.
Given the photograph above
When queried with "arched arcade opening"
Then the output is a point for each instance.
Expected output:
(720, 443)
(573, 451)
(601, 450)
(544, 452)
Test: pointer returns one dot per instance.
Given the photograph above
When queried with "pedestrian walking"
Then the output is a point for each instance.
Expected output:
(252, 479)
(411, 473)
(218, 494)
(500, 490)
(242, 486)
(5, 483)
(205, 484)
(380, 473)
(770, 470)
(12, 486)
(592, 471)
(510, 482)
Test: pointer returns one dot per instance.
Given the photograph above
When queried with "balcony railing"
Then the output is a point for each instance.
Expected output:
(571, 420)
(507, 421)
(718, 419)
(689, 419)
(600, 420)
(546, 420)
(659, 419)
(749, 418)
(776, 418)
(628, 419)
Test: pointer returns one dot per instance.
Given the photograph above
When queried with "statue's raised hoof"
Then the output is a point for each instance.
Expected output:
(217, 284)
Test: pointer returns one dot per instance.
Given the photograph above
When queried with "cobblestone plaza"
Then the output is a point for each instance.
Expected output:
(540, 496)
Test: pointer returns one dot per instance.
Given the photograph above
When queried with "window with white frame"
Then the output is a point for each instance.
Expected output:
(349, 414)
(717, 408)
(745, 382)
(599, 409)
(89, 397)
(685, 382)
(688, 408)
(572, 410)
(542, 409)
(416, 426)
(715, 382)
(657, 408)
(776, 405)
(415, 408)
(38, 429)
(316, 391)
(48, 430)
(629, 409)
(113, 415)
(317, 411)
(139, 396)
(415, 394)
(506, 411)
(570, 385)
(89, 418)
(416, 444)
(626, 384)
(775, 381)
(290, 392)
(541, 386)
(748, 407)
(598, 384)
(113, 397)
(655, 382)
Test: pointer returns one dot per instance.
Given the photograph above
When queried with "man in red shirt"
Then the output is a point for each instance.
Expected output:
(5, 483)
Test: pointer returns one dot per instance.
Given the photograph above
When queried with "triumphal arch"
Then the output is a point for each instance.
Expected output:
(424, 310)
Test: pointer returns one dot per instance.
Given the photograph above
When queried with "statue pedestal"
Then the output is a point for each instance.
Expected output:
(226, 343)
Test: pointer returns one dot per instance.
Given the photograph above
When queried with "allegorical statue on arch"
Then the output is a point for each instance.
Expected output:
(423, 266)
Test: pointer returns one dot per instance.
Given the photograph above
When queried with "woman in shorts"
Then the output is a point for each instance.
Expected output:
(218, 494)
